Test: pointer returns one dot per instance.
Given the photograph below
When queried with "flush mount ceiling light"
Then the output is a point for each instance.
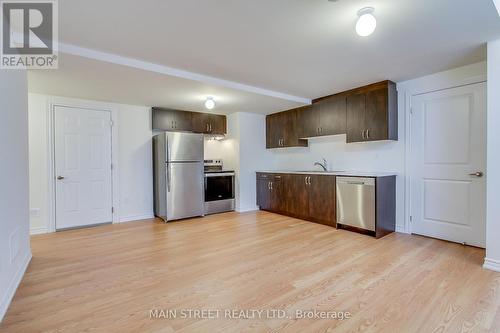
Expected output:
(366, 22)
(210, 103)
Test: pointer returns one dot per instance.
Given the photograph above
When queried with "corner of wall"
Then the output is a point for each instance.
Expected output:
(11, 289)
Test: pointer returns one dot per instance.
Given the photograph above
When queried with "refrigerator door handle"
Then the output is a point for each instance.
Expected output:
(168, 165)
(168, 177)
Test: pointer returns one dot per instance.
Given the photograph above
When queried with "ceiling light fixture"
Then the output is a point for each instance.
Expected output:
(366, 22)
(210, 103)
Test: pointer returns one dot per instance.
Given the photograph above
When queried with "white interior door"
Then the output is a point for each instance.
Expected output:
(448, 153)
(82, 167)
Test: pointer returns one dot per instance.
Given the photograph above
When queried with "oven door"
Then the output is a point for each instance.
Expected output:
(219, 186)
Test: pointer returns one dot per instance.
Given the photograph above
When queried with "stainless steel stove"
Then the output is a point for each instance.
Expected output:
(219, 187)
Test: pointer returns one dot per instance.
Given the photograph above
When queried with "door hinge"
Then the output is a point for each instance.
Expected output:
(112, 209)
(411, 109)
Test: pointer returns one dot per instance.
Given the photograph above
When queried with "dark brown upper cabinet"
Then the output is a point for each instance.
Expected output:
(164, 119)
(325, 117)
(282, 130)
(368, 113)
(308, 121)
(356, 105)
(171, 120)
(208, 123)
(372, 113)
(332, 115)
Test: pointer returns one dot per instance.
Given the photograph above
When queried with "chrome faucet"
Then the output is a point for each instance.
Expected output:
(323, 165)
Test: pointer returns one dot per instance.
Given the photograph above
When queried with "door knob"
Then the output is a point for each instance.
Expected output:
(60, 177)
(477, 174)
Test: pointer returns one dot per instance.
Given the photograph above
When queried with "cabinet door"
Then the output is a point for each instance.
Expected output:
(291, 129)
(308, 122)
(296, 195)
(263, 192)
(217, 124)
(376, 121)
(277, 200)
(322, 200)
(163, 119)
(273, 131)
(182, 121)
(356, 106)
(201, 122)
(332, 115)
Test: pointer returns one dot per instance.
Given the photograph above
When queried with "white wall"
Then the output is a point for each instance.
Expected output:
(243, 150)
(492, 260)
(135, 162)
(253, 156)
(38, 163)
(132, 174)
(15, 252)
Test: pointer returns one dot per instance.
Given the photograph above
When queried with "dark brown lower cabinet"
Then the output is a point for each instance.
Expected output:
(308, 197)
(296, 196)
(269, 192)
(263, 191)
(322, 200)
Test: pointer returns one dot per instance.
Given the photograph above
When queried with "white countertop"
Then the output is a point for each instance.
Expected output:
(333, 173)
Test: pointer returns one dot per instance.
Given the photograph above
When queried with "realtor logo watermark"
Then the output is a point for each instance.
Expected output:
(29, 34)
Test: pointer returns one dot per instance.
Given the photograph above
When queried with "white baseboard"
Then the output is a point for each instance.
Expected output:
(14, 283)
(136, 217)
(38, 230)
(492, 264)
(247, 209)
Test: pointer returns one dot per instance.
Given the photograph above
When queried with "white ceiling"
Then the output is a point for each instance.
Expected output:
(305, 48)
(96, 80)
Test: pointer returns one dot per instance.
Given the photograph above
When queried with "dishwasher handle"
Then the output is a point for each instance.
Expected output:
(356, 181)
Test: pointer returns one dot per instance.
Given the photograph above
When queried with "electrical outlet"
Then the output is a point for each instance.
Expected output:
(35, 212)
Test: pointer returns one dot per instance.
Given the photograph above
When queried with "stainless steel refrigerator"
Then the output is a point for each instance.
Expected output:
(178, 175)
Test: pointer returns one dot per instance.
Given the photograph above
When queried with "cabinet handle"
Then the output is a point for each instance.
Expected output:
(309, 181)
(268, 185)
(368, 133)
(321, 130)
(305, 180)
(210, 127)
(172, 124)
(363, 134)
(271, 186)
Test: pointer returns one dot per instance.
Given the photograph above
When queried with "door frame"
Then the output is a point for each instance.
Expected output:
(54, 102)
(411, 89)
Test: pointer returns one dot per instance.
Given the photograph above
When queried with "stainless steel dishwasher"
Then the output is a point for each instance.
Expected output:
(356, 202)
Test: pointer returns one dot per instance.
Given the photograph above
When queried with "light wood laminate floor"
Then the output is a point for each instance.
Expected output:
(108, 278)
